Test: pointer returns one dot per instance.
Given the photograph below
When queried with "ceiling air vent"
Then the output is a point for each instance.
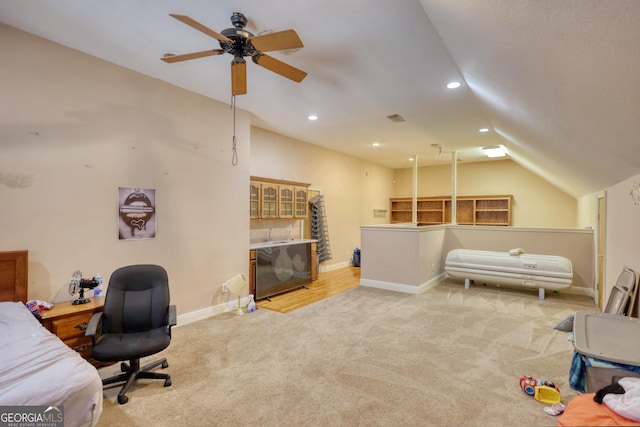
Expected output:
(396, 118)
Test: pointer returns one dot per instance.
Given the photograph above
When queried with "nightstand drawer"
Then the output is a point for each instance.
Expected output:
(69, 322)
(71, 327)
(82, 345)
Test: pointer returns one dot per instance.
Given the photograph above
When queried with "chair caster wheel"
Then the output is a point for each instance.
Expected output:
(165, 365)
(122, 399)
(124, 367)
(167, 382)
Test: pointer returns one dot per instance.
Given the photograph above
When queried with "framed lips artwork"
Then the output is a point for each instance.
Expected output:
(136, 213)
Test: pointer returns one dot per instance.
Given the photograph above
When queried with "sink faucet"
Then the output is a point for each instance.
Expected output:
(269, 238)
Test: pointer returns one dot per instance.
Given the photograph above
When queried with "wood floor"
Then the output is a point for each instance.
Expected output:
(328, 284)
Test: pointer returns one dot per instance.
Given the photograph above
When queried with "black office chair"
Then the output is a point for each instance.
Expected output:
(135, 322)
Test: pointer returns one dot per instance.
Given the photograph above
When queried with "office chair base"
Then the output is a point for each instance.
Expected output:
(132, 371)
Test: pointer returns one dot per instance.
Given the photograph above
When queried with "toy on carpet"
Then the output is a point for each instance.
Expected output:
(543, 391)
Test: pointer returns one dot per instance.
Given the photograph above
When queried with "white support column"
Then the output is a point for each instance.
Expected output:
(414, 202)
(454, 187)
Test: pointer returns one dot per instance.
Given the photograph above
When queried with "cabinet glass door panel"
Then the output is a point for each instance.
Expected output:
(254, 200)
(286, 202)
(269, 201)
(301, 202)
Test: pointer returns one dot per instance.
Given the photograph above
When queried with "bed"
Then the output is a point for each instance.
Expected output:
(36, 367)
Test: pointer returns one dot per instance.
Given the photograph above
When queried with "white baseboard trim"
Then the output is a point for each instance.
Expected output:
(433, 282)
(205, 313)
(389, 286)
(332, 267)
(579, 291)
(398, 287)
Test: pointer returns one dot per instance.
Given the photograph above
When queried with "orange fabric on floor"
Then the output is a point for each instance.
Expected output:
(583, 411)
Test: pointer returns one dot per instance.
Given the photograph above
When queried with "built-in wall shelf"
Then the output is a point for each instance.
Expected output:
(470, 210)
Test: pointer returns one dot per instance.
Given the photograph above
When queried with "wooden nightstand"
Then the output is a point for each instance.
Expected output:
(69, 322)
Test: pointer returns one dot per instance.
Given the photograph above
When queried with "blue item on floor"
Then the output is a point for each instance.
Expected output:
(356, 257)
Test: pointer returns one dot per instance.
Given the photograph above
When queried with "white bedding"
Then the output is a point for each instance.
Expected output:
(37, 368)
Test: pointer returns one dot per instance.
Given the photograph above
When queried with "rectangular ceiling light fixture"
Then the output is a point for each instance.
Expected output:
(495, 151)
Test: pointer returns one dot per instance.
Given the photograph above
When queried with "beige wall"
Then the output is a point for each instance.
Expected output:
(622, 232)
(73, 129)
(588, 211)
(536, 203)
(352, 188)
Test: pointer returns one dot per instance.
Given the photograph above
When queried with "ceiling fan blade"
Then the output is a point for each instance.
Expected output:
(194, 55)
(238, 77)
(280, 40)
(198, 26)
(279, 67)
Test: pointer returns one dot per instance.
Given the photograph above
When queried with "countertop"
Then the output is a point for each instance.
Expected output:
(258, 245)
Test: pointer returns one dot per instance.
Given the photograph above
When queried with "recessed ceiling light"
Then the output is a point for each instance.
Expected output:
(483, 130)
(375, 144)
(312, 117)
(453, 85)
(411, 159)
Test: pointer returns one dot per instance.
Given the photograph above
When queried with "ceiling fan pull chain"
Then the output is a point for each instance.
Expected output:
(234, 155)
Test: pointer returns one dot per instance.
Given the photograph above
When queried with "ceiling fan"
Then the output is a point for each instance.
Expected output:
(241, 43)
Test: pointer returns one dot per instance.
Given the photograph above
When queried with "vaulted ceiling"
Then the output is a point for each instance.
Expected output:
(557, 83)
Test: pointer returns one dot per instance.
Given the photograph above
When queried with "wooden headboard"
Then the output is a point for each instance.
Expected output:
(13, 276)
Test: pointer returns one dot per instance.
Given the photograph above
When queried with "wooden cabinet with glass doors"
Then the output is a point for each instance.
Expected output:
(273, 199)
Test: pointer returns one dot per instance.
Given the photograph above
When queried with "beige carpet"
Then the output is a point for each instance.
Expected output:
(365, 357)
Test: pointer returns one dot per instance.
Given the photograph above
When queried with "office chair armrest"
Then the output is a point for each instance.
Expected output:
(92, 328)
(173, 316)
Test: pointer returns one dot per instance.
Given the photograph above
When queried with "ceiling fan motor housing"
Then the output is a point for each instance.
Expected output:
(241, 45)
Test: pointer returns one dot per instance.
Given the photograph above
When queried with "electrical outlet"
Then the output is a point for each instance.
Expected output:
(225, 289)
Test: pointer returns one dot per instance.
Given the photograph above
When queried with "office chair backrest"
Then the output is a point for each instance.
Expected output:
(137, 299)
